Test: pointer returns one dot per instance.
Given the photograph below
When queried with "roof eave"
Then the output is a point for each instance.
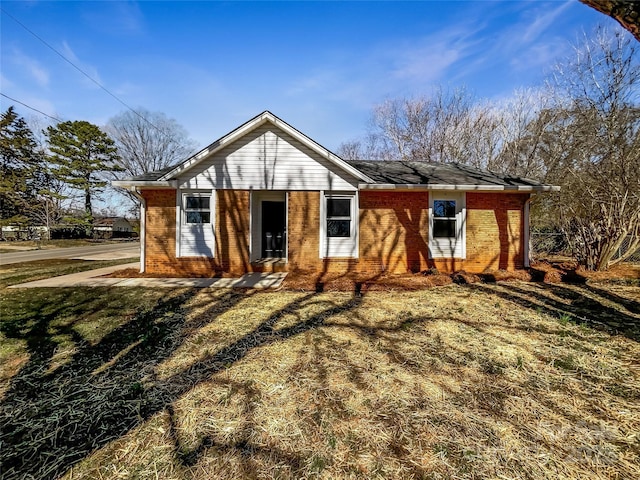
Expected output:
(150, 184)
(475, 188)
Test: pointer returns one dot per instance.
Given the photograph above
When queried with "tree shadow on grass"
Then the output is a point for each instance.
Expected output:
(581, 304)
(52, 420)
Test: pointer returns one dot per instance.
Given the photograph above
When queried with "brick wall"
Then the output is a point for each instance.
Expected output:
(495, 224)
(394, 231)
(393, 234)
(303, 231)
(232, 232)
(160, 229)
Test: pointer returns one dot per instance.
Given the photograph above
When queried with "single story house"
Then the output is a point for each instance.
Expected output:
(266, 197)
(112, 227)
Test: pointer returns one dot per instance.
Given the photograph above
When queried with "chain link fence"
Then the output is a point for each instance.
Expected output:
(554, 243)
(548, 243)
(635, 257)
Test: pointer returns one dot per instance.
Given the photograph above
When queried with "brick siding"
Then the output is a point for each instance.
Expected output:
(495, 224)
(393, 234)
(394, 231)
(231, 229)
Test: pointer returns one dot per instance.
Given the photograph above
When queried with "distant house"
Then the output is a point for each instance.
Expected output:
(112, 227)
(265, 196)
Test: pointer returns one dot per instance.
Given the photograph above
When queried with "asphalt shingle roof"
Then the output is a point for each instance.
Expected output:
(151, 176)
(426, 173)
(411, 173)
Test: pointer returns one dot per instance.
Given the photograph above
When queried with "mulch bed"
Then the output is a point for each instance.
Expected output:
(548, 271)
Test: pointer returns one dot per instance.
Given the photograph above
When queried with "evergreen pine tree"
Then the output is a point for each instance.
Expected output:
(80, 152)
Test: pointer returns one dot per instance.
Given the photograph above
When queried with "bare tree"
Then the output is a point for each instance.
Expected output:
(597, 124)
(451, 126)
(147, 142)
(423, 128)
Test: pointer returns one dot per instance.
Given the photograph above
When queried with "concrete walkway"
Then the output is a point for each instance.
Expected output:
(94, 278)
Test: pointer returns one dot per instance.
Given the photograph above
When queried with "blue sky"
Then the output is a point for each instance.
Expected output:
(321, 66)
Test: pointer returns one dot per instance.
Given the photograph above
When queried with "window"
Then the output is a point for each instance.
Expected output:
(444, 218)
(447, 229)
(197, 209)
(338, 217)
(338, 225)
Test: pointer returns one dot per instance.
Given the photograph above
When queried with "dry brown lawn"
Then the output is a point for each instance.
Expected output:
(504, 380)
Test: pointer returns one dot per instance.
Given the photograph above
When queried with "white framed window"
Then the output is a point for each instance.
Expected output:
(195, 236)
(197, 208)
(339, 217)
(444, 218)
(447, 224)
(338, 225)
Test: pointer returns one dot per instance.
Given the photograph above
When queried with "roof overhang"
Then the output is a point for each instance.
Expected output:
(473, 188)
(145, 184)
(252, 125)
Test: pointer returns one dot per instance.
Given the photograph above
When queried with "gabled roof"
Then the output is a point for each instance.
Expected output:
(440, 176)
(389, 175)
(251, 125)
(166, 178)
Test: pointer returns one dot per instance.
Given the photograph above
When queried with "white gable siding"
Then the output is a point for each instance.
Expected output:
(267, 159)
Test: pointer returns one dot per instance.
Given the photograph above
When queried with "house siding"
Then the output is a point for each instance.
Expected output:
(393, 234)
(394, 231)
(267, 158)
(304, 230)
(495, 231)
(231, 232)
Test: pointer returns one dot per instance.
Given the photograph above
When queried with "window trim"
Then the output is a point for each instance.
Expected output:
(461, 225)
(353, 238)
(181, 217)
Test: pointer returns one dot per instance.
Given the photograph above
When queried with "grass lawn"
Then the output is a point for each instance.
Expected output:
(504, 380)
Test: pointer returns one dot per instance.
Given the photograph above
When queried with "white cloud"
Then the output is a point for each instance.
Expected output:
(362, 78)
(124, 17)
(425, 64)
(32, 68)
(90, 70)
(5, 82)
(542, 21)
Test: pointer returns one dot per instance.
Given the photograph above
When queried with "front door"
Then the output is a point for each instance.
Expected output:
(273, 229)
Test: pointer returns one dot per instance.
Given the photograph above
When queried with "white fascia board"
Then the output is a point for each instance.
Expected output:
(479, 188)
(134, 184)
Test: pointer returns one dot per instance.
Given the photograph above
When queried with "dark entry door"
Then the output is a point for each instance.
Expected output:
(273, 229)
